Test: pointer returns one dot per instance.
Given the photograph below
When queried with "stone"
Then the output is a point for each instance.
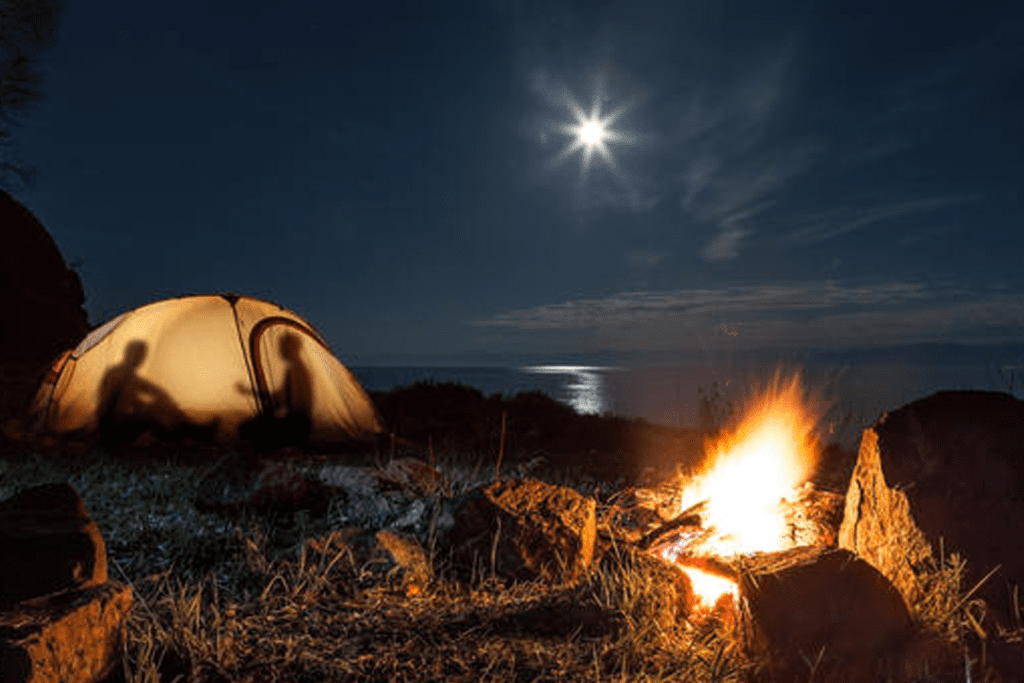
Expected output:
(48, 543)
(944, 470)
(373, 558)
(811, 602)
(525, 530)
(412, 476)
(372, 502)
(282, 488)
(240, 482)
(74, 637)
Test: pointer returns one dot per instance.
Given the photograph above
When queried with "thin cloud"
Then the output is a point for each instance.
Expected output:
(648, 307)
(646, 258)
(725, 245)
(826, 225)
(733, 170)
(822, 314)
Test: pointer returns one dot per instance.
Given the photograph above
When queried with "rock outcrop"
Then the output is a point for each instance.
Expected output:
(524, 530)
(948, 468)
(42, 300)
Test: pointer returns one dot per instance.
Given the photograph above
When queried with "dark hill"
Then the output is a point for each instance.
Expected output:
(41, 299)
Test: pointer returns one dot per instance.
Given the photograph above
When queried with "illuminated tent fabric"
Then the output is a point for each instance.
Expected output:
(218, 362)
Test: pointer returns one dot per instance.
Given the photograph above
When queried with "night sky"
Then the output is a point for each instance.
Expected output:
(779, 177)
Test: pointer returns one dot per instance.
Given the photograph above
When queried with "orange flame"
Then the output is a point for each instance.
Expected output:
(709, 588)
(752, 471)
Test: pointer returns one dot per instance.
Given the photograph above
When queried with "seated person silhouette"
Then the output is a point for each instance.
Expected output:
(130, 405)
(287, 417)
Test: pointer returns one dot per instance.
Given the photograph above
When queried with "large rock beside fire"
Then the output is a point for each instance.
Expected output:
(48, 543)
(949, 467)
(811, 597)
(75, 636)
(524, 529)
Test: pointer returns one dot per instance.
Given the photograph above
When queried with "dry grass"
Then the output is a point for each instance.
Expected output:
(237, 600)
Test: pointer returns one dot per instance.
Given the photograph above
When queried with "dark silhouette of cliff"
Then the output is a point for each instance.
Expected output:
(41, 300)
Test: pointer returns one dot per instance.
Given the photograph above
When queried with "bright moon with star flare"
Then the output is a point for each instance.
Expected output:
(591, 133)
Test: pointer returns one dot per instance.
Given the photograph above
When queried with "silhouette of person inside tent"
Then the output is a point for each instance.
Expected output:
(130, 405)
(287, 418)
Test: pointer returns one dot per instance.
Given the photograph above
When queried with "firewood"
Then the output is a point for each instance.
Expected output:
(690, 517)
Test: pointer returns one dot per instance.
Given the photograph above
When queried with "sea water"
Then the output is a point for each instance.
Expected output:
(853, 395)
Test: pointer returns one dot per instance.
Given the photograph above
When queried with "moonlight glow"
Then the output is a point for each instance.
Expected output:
(591, 133)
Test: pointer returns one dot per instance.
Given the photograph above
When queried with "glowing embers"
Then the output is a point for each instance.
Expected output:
(742, 502)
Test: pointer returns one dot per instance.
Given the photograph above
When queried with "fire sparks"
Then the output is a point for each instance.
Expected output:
(752, 471)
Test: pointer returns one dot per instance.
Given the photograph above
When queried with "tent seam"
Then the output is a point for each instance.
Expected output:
(257, 399)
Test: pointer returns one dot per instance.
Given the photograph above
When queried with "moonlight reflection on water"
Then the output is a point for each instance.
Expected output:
(587, 386)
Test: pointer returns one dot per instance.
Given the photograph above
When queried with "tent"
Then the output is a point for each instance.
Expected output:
(224, 366)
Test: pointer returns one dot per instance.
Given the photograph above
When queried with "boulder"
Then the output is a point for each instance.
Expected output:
(812, 597)
(946, 469)
(372, 558)
(74, 636)
(239, 481)
(375, 502)
(48, 543)
(524, 529)
(412, 476)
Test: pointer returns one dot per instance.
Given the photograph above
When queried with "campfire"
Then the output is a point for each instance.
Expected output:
(742, 502)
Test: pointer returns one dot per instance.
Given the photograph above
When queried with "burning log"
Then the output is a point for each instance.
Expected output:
(690, 517)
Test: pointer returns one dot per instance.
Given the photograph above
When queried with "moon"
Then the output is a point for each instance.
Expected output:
(591, 133)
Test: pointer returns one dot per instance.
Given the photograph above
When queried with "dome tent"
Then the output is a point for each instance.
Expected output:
(224, 365)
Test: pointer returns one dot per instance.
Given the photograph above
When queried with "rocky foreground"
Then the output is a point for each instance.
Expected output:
(437, 565)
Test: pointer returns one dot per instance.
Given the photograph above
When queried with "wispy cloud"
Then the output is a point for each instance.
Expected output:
(816, 314)
(833, 223)
(646, 258)
(733, 166)
(726, 245)
(629, 307)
